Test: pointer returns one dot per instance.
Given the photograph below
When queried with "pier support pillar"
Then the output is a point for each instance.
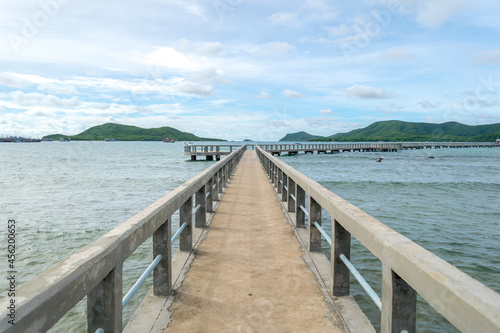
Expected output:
(162, 274)
(217, 157)
(200, 218)
(186, 215)
(104, 303)
(210, 157)
(314, 234)
(341, 244)
(399, 303)
(300, 216)
(193, 157)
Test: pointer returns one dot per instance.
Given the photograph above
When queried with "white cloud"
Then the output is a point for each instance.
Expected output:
(210, 76)
(205, 48)
(326, 111)
(490, 57)
(57, 89)
(282, 18)
(339, 30)
(170, 58)
(393, 54)
(428, 105)
(433, 13)
(365, 92)
(193, 88)
(220, 102)
(428, 13)
(292, 94)
(21, 81)
(272, 49)
(21, 99)
(264, 95)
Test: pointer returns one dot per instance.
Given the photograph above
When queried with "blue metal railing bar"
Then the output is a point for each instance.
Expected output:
(141, 280)
(196, 209)
(206, 195)
(214, 186)
(322, 231)
(304, 210)
(100, 330)
(285, 187)
(174, 237)
(373, 295)
(293, 197)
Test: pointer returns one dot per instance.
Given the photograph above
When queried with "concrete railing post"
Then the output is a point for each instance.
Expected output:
(341, 244)
(271, 175)
(300, 216)
(104, 303)
(215, 190)
(399, 303)
(200, 218)
(291, 194)
(162, 274)
(275, 176)
(314, 233)
(210, 191)
(280, 181)
(284, 195)
(186, 215)
(223, 176)
(220, 185)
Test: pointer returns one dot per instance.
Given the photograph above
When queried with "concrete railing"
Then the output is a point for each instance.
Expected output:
(95, 271)
(331, 146)
(407, 268)
(410, 145)
(210, 148)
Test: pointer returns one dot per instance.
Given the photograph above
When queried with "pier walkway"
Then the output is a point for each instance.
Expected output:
(249, 274)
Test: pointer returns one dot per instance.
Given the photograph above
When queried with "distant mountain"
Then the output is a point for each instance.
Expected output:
(130, 133)
(395, 130)
(300, 136)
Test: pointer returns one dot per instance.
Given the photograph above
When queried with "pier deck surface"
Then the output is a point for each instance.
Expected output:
(249, 274)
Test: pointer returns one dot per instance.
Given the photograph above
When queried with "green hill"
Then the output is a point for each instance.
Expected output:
(395, 130)
(130, 133)
(300, 136)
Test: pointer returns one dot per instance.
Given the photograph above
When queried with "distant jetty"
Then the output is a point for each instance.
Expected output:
(18, 139)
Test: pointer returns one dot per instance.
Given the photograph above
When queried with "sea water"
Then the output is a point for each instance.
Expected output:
(446, 200)
(64, 195)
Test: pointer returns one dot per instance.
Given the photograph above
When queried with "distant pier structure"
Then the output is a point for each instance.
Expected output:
(209, 151)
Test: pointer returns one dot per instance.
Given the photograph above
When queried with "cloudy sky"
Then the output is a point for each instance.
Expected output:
(237, 69)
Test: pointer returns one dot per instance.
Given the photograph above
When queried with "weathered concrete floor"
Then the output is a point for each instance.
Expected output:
(249, 275)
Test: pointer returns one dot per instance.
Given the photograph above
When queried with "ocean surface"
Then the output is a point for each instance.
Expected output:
(64, 195)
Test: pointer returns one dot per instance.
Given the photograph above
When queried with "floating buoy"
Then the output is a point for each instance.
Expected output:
(379, 160)
(431, 156)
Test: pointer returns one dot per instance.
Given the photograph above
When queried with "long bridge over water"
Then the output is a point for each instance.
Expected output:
(209, 151)
(250, 259)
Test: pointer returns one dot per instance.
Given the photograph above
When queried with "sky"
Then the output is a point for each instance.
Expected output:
(246, 69)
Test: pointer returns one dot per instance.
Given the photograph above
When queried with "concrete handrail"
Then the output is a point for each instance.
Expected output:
(95, 271)
(407, 268)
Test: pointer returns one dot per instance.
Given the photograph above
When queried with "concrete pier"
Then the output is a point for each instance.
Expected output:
(249, 274)
(249, 259)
